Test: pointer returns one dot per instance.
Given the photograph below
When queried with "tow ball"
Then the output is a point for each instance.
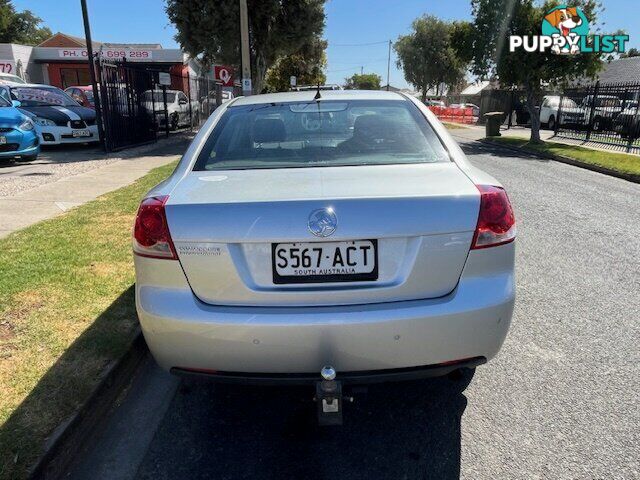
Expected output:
(329, 397)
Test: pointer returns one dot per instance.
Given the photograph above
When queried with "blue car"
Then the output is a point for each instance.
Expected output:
(18, 136)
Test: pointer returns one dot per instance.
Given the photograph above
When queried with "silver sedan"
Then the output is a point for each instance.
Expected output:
(347, 231)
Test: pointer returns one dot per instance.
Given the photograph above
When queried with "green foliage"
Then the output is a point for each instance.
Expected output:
(427, 55)
(365, 81)
(307, 65)
(277, 28)
(632, 52)
(618, 162)
(23, 27)
(496, 20)
(462, 36)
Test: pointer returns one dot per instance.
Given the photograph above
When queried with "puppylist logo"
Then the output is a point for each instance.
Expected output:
(565, 30)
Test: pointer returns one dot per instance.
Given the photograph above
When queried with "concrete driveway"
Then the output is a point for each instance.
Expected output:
(66, 176)
(560, 401)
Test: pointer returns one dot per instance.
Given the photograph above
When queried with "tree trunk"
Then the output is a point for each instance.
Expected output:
(534, 113)
(424, 94)
(259, 73)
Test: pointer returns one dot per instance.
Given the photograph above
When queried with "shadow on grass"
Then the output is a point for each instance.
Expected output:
(397, 430)
(65, 387)
(497, 150)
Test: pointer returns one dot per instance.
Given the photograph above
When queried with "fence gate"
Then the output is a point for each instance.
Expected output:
(127, 104)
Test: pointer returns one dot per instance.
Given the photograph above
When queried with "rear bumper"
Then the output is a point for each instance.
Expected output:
(184, 333)
(347, 378)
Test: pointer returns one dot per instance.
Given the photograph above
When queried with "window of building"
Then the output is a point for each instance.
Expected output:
(74, 76)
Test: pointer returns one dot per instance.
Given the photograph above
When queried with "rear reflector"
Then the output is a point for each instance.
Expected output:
(496, 222)
(151, 237)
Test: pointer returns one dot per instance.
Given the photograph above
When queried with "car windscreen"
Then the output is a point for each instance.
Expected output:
(566, 102)
(11, 78)
(158, 97)
(4, 102)
(324, 133)
(42, 97)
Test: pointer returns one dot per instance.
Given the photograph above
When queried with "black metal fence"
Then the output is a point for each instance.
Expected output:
(126, 119)
(141, 104)
(602, 113)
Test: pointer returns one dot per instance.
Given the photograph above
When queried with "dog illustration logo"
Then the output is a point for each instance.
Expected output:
(568, 22)
(565, 31)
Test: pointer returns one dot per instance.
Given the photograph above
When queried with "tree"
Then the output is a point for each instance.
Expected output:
(461, 39)
(495, 20)
(210, 29)
(364, 81)
(23, 27)
(632, 52)
(427, 56)
(306, 65)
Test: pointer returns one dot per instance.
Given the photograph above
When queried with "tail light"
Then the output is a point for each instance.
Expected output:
(496, 222)
(151, 237)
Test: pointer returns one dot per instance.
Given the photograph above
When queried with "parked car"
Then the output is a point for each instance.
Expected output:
(209, 103)
(57, 116)
(178, 111)
(9, 79)
(606, 109)
(571, 113)
(18, 137)
(467, 107)
(627, 123)
(82, 94)
(367, 248)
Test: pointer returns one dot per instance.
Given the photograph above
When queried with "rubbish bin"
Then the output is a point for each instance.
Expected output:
(493, 120)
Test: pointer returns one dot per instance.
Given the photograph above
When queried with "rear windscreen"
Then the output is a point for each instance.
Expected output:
(324, 133)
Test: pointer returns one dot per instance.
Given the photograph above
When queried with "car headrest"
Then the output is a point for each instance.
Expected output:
(373, 126)
(269, 130)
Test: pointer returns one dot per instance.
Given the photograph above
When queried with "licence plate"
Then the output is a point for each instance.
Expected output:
(320, 262)
(81, 133)
(3, 140)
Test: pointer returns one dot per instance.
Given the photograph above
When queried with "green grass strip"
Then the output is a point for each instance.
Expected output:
(66, 311)
(619, 162)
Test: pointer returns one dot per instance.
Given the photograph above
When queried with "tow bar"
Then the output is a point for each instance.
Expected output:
(329, 397)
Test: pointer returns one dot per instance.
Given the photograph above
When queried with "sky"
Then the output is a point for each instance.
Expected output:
(350, 24)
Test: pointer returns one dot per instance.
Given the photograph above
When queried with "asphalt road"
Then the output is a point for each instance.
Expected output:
(560, 401)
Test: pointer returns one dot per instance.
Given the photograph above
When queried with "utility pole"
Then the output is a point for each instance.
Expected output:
(388, 65)
(92, 73)
(244, 47)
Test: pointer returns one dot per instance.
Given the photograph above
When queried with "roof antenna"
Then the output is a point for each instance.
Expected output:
(318, 96)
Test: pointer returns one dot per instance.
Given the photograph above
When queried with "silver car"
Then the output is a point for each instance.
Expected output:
(347, 231)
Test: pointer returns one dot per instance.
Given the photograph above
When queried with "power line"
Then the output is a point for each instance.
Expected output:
(357, 44)
(345, 69)
(361, 62)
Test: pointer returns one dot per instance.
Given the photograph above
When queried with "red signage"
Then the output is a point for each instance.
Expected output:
(223, 74)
